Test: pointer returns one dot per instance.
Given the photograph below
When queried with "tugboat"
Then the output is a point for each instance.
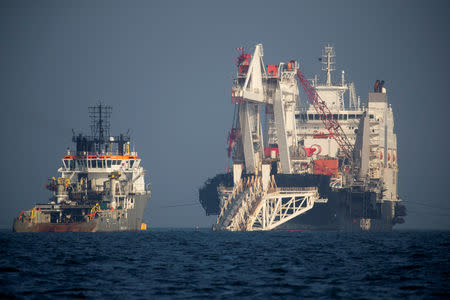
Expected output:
(101, 187)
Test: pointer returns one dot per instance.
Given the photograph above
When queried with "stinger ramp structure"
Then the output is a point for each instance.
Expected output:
(283, 205)
(248, 207)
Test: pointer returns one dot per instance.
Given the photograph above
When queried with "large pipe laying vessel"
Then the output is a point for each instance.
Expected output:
(327, 163)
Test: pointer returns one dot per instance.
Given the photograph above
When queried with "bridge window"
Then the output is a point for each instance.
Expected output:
(310, 117)
(371, 116)
(66, 163)
(100, 163)
(109, 163)
(302, 117)
(131, 163)
(94, 163)
(316, 117)
(72, 164)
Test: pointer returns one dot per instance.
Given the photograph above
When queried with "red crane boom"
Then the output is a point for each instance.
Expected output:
(330, 123)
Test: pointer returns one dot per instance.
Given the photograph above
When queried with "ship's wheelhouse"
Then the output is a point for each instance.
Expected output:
(102, 163)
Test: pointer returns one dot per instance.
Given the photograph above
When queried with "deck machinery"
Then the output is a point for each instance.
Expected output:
(327, 163)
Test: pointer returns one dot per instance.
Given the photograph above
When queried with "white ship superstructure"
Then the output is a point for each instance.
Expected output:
(381, 153)
(116, 177)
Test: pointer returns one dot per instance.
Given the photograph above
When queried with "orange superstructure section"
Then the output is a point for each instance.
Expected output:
(101, 157)
(326, 166)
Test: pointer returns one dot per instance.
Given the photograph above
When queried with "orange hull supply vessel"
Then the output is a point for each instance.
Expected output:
(101, 186)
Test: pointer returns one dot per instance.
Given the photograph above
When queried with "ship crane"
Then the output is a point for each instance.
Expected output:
(330, 123)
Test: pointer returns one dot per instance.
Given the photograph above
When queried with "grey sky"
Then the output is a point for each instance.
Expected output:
(166, 68)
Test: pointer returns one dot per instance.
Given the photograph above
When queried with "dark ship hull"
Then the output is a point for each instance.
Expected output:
(19, 226)
(343, 211)
(347, 209)
(103, 221)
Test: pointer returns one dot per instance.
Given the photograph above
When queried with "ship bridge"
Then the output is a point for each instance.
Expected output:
(101, 163)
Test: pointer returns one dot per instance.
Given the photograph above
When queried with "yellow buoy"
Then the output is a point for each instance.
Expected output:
(143, 226)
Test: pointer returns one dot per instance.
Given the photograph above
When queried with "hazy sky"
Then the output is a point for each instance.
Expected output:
(166, 68)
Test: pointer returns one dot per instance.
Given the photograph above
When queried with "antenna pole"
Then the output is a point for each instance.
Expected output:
(328, 62)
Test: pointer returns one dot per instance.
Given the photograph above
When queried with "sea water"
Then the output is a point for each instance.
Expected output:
(188, 263)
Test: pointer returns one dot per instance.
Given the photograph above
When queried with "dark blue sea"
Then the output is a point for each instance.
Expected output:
(187, 264)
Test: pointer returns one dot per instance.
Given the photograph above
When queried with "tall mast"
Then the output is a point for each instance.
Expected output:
(328, 61)
(100, 124)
